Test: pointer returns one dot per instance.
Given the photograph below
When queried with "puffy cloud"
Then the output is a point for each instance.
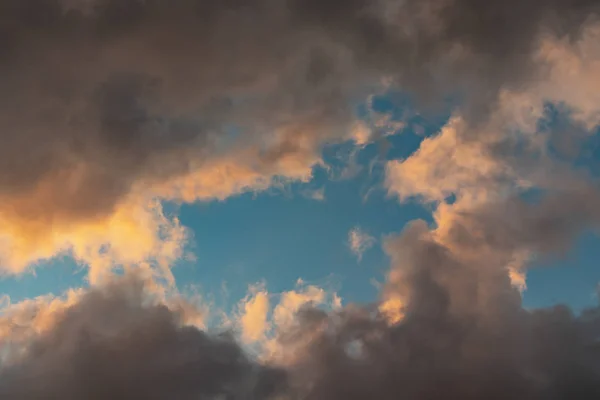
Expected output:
(359, 242)
(113, 106)
(361, 134)
(443, 166)
(120, 341)
(136, 232)
(22, 322)
(477, 175)
(26, 321)
(392, 307)
(450, 323)
(108, 102)
(463, 334)
(254, 319)
(455, 285)
(292, 301)
(97, 132)
(456, 339)
(264, 319)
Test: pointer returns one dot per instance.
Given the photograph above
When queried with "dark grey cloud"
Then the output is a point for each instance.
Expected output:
(131, 91)
(464, 335)
(114, 344)
(547, 225)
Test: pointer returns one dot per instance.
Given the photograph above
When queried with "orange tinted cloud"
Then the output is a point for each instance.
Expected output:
(136, 232)
(254, 323)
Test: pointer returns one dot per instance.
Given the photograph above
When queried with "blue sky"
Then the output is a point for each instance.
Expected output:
(283, 234)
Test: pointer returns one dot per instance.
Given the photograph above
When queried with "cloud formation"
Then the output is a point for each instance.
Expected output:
(116, 342)
(253, 320)
(464, 334)
(359, 242)
(264, 316)
(109, 107)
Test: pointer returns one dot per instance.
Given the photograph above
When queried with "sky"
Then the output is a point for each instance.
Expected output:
(305, 231)
(299, 199)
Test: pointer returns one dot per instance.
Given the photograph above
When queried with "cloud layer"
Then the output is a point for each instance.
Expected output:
(110, 107)
(109, 104)
(117, 343)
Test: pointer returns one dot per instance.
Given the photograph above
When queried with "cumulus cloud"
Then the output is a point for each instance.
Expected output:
(109, 107)
(109, 104)
(117, 342)
(292, 301)
(26, 320)
(359, 242)
(263, 316)
(122, 339)
(463, 334)
(450, 321)
(255, 310)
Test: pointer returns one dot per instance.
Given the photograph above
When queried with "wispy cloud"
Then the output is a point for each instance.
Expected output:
(314, 194)
(360, 241)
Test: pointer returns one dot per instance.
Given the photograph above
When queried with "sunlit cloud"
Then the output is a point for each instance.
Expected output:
(111, 109)
(254, 319)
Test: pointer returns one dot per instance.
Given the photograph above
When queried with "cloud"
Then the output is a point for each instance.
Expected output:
(443, 166)
(108, 105)
(137, 233)
(132, 329)
(361, 134)
(450, 322)
(463, 334)
(461, 276)
(476, 176)
(359, 242)
(253, 320)
(392, 308)
(291, 331)
(116, 341)
(315, 194)
(22, 322)
(25, 322)
(292, 301)
(111, 108)
(122, 339)
(264, 318)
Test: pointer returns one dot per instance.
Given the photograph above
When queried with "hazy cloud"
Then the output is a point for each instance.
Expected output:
(359, 242)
